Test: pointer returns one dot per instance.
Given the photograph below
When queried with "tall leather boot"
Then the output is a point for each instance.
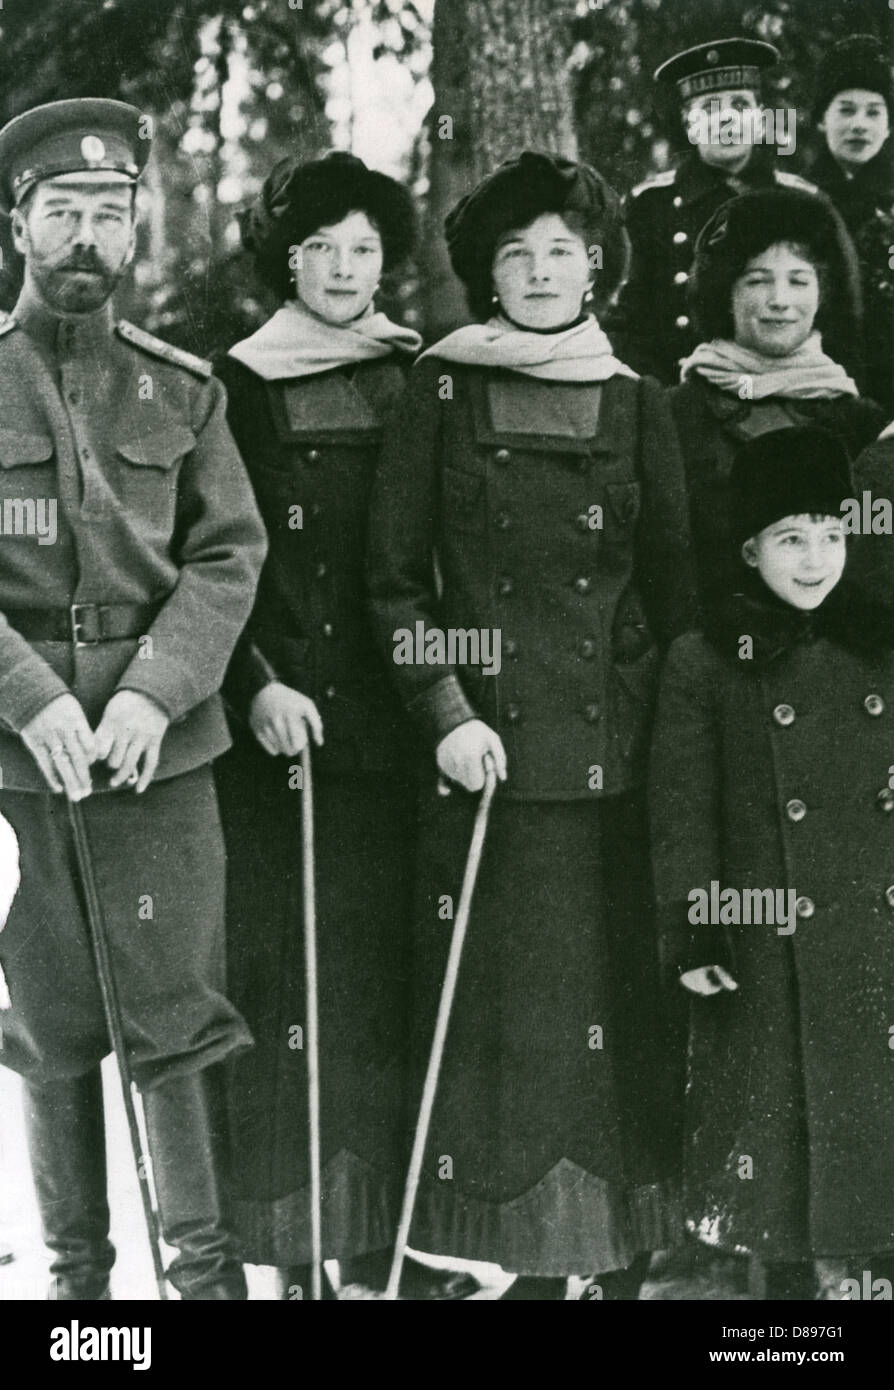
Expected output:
(66, 1139)
(186, 1125)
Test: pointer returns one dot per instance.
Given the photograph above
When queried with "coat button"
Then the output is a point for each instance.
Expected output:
(582, 584)
(681, 277)
(805, 907)
(885, 800)
(321, 570)
(313, 456)
(505, 586)
(327, 629)
(784, 715)
(582, 522)
(513, 713)
(329, 692)
(680, 238)
(502, 456)
(511, 649)
(678, 201)
(502, 522)
(889, 896)
(591, 713)
(588, 648)
(795, 809)
(682, 321)
(874, 704)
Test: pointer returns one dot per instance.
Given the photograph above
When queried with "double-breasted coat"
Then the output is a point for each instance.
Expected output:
(651, 327)
(713, 424)
(310, 445)
(484, 517)
(774, 772)
(144, 585)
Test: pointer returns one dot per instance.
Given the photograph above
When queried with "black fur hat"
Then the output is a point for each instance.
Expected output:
(857, 61)
(297, 198)
(789, 472)
(514, 195)
(745, 227)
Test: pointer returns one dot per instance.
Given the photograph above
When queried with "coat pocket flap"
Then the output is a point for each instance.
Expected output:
(17, 449)
(159, 450)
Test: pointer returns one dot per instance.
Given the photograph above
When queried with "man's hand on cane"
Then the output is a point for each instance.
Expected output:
(63, 746)
(460, 756)
(280, 718)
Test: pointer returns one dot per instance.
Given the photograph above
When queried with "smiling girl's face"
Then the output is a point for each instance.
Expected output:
(775, 301)
(339, 268)
(541, 273)
(856, 125)
(800, 558)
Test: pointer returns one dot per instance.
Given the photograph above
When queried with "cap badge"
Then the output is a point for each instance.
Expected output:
(93, 149)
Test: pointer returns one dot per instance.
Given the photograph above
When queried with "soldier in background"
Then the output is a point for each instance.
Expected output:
(116, 625)
(651, 328)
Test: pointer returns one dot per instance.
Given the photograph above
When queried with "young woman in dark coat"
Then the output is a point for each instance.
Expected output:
(308, 393)
(853, 110)
(771, 771)
(530, 489)
(775, 274)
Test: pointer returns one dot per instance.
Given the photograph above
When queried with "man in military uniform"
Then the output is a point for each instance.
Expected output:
(715, 85)
(128, 565)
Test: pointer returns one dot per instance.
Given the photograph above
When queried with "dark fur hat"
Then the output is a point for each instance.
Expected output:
(297, 198)
(789, 472)
(857, 61)
(745, 227)
(514, 195)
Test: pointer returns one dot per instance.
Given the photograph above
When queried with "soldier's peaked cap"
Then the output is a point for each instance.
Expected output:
(88, 135)
(725, 65)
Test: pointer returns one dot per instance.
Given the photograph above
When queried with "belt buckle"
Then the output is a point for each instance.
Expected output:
(78, 623)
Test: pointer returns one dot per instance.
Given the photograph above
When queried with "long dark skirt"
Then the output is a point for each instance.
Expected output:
(552, 1149)
(365, 831)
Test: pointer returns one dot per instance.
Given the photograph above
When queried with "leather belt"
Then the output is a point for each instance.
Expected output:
(83, 624)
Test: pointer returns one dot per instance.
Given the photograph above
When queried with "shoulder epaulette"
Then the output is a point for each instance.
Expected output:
(664, 180)
(157, 347)
(7, 323)
(793, 181)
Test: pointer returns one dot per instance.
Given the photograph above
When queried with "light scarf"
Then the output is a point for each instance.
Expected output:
(580, 353)
(295, 343)
(806, 374)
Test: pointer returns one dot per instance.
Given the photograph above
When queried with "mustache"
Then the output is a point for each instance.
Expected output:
(88, 259)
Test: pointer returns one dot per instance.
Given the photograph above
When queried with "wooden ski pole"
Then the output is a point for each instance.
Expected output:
(448, 990)
(312, 1040)
(112, 1009)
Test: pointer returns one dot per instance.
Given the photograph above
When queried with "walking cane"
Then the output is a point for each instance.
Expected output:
(448, 989)
(313, 1027)
(112, 1010)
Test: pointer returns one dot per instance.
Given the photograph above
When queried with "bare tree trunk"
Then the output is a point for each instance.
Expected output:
(501, 86)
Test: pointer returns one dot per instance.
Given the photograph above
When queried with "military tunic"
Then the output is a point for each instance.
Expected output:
(555, 514)
(155, 523)
(311, 444)
(651, 326)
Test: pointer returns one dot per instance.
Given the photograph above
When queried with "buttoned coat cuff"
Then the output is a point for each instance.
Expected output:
(166, 681)
(441, 708)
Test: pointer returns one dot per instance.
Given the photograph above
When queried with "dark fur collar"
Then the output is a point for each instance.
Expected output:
(849, 617)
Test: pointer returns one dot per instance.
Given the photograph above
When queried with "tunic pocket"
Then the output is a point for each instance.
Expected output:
(18, 450)
(148, 471)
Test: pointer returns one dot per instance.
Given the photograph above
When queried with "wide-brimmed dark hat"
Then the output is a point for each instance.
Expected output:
(745, 227)
(514, 195)
(802, 471)
(297, 198)
(858, 61)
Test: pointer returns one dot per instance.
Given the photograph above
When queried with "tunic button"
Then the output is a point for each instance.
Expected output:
(805, 907)
(327, 629)
(582, 584)
(513, 713)
(313, 456)
(680, 238)
(885, 800)
(74, 397)
(874, 704)
(588, 648)
(681, 277)
(784, 715)
(591, 713)
(582, 522)
(678, 201)
(321, 570)
(502, 456)
(329, 692)
(889, 896)
(502, 521)
(511, 649)
(505, 587)
(795, 809)
(85, 454)
(682, 321)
